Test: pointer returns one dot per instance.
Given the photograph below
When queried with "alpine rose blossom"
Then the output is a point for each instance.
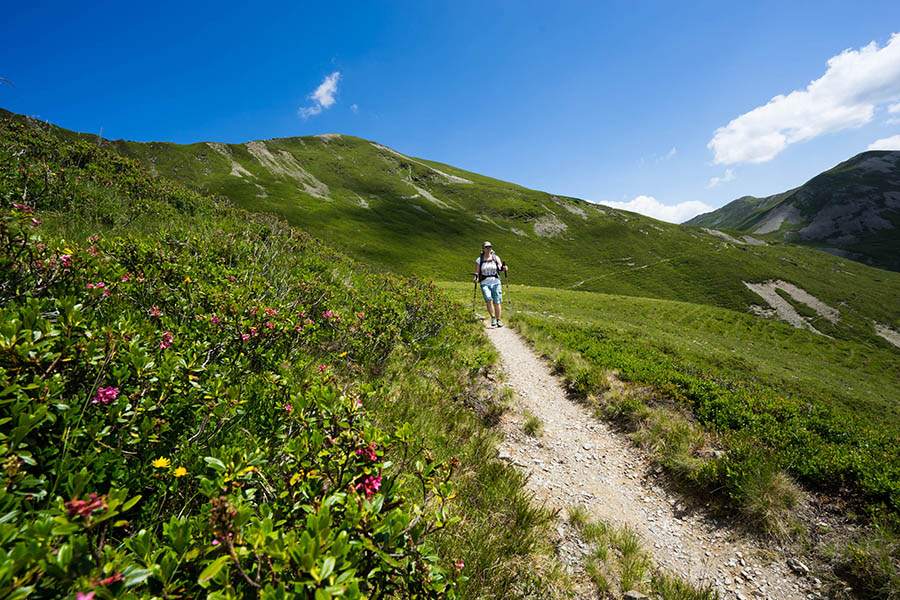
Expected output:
(166, 340)
(105, 395)
(85, 508)
(368, 452)
(369, 486)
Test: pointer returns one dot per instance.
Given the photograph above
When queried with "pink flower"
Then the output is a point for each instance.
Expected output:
(166, 340)
(270, 325)
(245, 336)
(300, 327)
(84, 596)
(126, 277)
(361, 315)
(35, 222)
(85, 508)
(105, 395)
(25, 209)
(115, 577)
(369, 486)
(66, 260)
(155, 312)
(322, 368)
(271, 312)
(368, 452)
(459, 564)
(288, 407)
(253, 332)
(98, 285)
(214, 320)
(229, 277)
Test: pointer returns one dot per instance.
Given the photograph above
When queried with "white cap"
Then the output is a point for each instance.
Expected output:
(486, 245)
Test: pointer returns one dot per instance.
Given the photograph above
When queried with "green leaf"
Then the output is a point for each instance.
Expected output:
(327, 568)
(134, 575)
(212, 569)
(215, 463)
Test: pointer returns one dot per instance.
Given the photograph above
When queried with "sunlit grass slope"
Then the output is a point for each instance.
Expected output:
(427, 219)
(826, 408)
(200, 401)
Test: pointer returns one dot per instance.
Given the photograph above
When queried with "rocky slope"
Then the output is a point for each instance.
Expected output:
(852, 210)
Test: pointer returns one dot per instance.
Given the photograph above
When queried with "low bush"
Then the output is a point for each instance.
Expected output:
(187, 396)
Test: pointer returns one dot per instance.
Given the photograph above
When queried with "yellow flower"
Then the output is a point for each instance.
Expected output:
(161, 463)
(179, 472)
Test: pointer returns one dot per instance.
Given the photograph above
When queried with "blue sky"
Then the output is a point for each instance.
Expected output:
(659, 106)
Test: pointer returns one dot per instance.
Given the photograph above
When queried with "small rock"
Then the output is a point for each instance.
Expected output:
(634, 595)
(797, 567)
(504, 456)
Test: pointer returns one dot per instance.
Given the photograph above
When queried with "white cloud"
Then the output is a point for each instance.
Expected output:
(855, 82)
(894, 108)
(714, 181)
(671, 153)
(651, 207)
(354, 107)
(888, 143)
(322, 97)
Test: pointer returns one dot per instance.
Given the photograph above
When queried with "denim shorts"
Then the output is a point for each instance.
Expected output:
(492, 292)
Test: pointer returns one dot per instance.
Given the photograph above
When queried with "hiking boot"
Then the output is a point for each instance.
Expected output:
(499, 324)
(493, 322)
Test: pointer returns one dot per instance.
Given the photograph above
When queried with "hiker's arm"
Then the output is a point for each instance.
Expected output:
(477, 271)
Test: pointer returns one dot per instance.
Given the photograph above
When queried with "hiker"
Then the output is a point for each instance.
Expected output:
(487, 271)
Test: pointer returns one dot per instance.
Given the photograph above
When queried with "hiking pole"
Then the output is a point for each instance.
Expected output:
(508, 289)
(474, 293)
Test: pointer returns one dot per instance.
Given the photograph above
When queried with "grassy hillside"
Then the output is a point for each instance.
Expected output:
(427, 219)
(199, 401)
(852, 209)
(773, 404)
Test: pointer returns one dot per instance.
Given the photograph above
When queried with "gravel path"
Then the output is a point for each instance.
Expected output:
(580, 460)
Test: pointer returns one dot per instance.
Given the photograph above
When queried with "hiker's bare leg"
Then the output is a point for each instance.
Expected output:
(496, 309)
(490, 308)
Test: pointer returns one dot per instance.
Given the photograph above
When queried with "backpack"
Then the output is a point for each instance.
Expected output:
(494, 259)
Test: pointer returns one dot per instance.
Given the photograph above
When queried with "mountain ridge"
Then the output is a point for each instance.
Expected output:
(851, 210)
(417, 217)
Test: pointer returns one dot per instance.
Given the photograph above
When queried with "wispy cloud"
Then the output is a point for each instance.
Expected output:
(354, 107)
(651, 207)
(714, 181)
(322, 97)
(894, 108)
(671, 153)
(888, 143)
(855, 82)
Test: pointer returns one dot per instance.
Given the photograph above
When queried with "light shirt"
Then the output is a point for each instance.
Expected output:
(491, 269)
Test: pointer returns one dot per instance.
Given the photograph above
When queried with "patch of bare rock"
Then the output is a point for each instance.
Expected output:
(784, 310)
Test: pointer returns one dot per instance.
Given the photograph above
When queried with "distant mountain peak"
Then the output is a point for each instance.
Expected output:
(851, 210)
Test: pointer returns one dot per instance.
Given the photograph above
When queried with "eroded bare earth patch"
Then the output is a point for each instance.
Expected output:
(784, 310)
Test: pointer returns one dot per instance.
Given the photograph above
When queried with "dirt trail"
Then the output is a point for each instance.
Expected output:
(580, 460)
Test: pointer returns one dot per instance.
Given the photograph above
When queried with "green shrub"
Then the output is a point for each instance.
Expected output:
(186, 411)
